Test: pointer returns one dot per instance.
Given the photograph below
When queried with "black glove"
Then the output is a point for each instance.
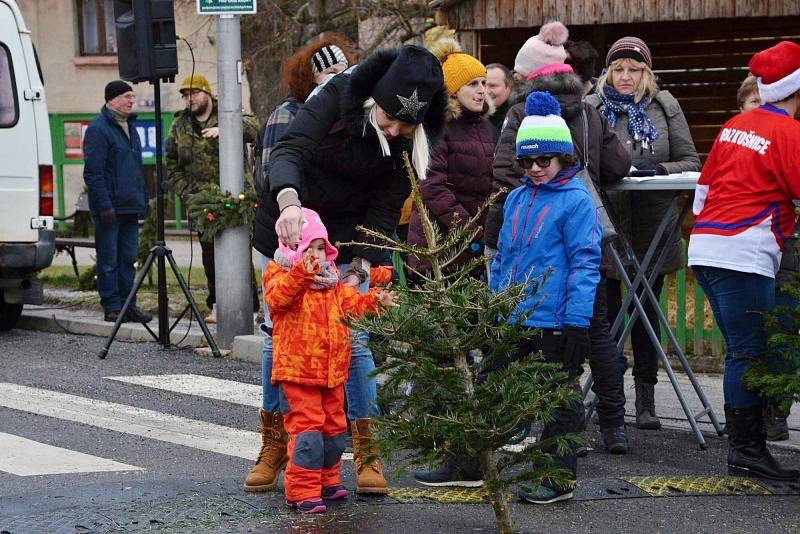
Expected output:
(108, 216)
(576, 347)
(645, 165)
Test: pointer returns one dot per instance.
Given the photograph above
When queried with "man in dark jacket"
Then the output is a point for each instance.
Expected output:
(117, 197)
(607, 162)
(499, 82)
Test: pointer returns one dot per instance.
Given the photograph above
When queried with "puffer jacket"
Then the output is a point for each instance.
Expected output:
(551, 235)
(459, 176)
(113, 169)
(609, 161)
(310, 343)
(639, 213)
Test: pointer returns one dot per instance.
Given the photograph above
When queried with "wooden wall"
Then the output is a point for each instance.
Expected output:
(701, 62)
(494, 14)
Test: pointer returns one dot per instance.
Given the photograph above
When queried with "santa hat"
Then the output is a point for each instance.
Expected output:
(777, 70)
(312, 229)
(545, 48)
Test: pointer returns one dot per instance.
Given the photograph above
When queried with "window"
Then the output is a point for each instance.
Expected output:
(9, 108)
(98, 35)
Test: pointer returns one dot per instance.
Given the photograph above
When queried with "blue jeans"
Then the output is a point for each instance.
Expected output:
(117, 246)
(361, 389)
(738, 301)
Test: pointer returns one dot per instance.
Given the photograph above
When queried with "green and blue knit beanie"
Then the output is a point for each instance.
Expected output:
(543, 131)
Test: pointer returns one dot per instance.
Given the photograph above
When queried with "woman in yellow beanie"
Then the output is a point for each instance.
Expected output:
(459, 177)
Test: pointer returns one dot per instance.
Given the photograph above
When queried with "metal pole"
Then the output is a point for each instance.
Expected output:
(163, 300)
(232, 247)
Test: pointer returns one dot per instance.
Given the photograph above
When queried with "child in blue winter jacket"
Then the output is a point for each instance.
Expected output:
(551, 235)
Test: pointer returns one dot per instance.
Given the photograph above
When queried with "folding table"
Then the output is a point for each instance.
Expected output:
(677, 183)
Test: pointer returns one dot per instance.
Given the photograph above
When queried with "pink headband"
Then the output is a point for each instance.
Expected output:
(554, 68)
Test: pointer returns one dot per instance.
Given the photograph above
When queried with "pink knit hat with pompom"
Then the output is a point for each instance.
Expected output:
(312, 229)
(543, 49)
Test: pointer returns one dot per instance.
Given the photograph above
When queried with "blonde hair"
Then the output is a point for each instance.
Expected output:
(647, 85)
(420, 156)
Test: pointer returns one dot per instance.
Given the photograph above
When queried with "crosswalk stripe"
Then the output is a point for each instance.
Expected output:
(139, 421)
(203, 386)
(131, 420)
(24, 457)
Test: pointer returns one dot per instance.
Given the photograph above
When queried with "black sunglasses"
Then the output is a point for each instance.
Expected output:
(541, 161)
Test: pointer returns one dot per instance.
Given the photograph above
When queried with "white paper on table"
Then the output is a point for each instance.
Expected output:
(663, 177)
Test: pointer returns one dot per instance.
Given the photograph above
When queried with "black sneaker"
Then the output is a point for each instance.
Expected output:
(135, 315)
(309, 506)
(450, 473)
(615, 440)
(520, 436)
(543, 494)
(334, 493)
(111, 316)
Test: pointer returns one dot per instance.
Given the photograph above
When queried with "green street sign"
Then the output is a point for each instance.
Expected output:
(226, 7)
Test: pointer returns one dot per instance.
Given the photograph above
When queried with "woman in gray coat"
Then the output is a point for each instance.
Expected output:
(651, 125)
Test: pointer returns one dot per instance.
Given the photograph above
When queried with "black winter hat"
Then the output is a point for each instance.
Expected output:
(407, 89)
(116, 88)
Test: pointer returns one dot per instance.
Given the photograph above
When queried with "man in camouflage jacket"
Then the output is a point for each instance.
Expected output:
(193, 158)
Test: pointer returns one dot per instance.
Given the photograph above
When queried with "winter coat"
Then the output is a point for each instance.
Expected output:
(550, 236)
(331, 156)
(192, 160)
(498, 117)
(639, 213)
(310, 343)
(113, 166)
(609, 162)
(459, 176)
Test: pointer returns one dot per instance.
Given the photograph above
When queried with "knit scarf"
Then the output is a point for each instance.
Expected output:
(640, 127)
(327, 277)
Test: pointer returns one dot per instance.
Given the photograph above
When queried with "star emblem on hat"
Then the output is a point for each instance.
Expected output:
(411, 105)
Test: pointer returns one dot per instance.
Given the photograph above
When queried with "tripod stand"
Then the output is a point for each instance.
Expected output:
(159, 254)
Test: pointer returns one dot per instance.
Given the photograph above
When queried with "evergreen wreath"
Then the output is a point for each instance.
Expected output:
(211, 211)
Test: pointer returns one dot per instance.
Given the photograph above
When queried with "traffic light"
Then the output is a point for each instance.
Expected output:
(146, 40)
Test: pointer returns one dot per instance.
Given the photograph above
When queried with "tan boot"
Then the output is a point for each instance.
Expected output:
(370, 475)
(272, 458)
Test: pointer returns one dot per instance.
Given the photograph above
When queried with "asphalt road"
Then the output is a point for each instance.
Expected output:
(159, 440)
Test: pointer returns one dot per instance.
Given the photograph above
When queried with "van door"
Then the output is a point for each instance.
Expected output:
(19, 160)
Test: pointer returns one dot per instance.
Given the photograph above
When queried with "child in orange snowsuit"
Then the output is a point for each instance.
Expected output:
(311, 358)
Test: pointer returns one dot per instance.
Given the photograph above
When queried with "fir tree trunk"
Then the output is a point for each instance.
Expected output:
(459, 359)
(497, 496)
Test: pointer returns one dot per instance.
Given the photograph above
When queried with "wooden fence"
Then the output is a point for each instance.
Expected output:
(679, 296)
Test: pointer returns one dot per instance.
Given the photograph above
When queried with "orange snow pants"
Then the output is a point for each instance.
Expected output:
(317, 426)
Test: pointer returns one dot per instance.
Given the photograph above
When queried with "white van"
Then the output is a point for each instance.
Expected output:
(27, 239)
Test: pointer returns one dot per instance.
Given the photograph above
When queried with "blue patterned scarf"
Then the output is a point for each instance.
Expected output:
(640, 127)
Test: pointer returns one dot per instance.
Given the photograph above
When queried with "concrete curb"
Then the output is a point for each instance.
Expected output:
(245, 348)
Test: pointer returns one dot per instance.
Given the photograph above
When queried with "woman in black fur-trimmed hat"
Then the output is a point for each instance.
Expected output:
(342, 157)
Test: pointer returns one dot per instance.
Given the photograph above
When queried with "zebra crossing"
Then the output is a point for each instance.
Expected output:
(25, 457)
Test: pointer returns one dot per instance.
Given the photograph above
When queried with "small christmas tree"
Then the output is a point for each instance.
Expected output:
(439, 344)
(778, 378)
